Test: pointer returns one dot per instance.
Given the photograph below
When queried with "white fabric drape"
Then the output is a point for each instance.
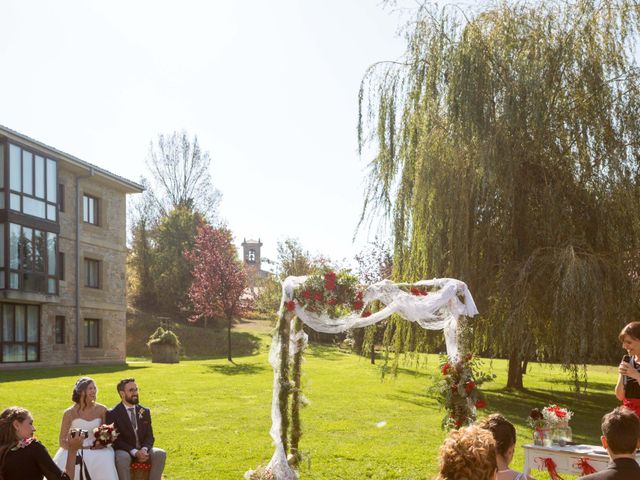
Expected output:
(439, 310)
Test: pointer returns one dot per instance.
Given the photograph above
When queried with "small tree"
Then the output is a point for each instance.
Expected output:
(219, 279)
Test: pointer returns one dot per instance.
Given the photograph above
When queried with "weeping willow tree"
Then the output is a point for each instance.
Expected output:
(505, 152)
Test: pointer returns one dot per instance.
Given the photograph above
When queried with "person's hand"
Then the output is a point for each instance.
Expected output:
(75, 442)
(625, 368)
(142, 455)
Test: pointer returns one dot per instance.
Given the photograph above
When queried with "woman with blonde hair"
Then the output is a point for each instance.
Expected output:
(86, 414)
(468, 454)
(22, 457)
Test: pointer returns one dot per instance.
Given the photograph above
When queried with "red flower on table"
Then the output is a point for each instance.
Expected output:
(290, 305)
(469, 386)
(481, 404)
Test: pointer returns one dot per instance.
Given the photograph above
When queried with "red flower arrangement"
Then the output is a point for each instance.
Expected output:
(104, 435)
(290, 305)
(329, 292)
(458, 391)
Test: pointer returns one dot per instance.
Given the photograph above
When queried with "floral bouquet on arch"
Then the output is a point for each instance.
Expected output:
(104, 435)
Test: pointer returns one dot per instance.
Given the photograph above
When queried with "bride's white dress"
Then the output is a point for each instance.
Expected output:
(100, 463)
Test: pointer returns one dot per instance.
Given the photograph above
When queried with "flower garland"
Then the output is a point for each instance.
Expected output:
(458, 391)
(331, 293)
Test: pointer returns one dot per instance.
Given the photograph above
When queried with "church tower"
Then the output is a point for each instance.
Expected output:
(251, 254)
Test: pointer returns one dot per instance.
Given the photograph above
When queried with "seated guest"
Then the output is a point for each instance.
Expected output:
(22, 457)
(621, 437)
(468, 453)
(504, 433)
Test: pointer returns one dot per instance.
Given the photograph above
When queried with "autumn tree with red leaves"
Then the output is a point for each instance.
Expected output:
(219, 279)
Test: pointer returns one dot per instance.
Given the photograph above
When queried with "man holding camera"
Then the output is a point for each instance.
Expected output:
(135, 440)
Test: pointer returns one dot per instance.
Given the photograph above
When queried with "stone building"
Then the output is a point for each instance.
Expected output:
(62, 257)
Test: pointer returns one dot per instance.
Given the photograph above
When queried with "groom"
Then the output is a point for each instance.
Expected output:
(135, 439)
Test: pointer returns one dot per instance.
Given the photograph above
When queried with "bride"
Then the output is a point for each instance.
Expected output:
(86, 414)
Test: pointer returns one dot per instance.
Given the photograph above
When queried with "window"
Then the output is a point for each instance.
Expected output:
(91, 332)
(59, 329)
(92, 273)
(20, 338)
(61, 197)
(32, 259)
(60, 265)
(252, 256)
(90, 211)
(33, 181)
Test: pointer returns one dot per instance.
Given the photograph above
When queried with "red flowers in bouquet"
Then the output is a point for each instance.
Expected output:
(290, 305)
(469, 386)
(445, 368)
(105, 435)
(330, 280)
(480, 404)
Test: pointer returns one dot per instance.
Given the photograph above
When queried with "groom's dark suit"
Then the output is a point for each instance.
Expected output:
(126, 445)
(119, 416)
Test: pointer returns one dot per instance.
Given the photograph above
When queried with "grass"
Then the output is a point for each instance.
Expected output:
(212, 417)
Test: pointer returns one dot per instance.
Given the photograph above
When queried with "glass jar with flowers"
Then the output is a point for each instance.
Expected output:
(558, 419)
(541, 430)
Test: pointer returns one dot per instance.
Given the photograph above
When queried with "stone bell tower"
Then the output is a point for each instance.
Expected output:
(251, 254)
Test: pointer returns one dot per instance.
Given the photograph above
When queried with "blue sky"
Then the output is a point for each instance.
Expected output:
(270, 88)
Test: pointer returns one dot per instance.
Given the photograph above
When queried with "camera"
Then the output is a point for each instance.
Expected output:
(79, 432)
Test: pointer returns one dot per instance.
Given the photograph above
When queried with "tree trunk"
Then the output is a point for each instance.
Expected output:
(229, 340)
(514, 378)
(285, 389)
(373, 353)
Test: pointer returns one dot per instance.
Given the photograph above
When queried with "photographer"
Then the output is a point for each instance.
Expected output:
(22, 457)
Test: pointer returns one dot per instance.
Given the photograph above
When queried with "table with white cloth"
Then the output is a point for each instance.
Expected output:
(567, 458)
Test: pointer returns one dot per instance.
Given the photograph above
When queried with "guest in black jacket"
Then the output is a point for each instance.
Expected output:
(621, 437)
(135, 439)
(22, 457)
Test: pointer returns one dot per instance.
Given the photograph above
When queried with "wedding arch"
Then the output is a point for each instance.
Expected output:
(332, 303)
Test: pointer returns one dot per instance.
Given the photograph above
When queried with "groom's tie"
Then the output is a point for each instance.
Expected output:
(134, 424)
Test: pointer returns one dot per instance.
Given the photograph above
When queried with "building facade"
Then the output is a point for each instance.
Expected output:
(62, 257)
(253, 260)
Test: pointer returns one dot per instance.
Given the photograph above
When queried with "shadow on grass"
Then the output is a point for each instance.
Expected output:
(238, 368)
(588, 408)
(67, 371)
(418, 399)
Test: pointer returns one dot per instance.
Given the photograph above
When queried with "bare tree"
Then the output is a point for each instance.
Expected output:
(180, 175)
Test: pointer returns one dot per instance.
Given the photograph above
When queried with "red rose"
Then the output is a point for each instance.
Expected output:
(469, 386)
(560, 414)
(317, 296)
(330, 284)
(445, 368)
(306, 294)
(481, 404)
(415, 291)
(291, 305)
(366, 314)
(330, 276)
(332, 301)
(358, 304)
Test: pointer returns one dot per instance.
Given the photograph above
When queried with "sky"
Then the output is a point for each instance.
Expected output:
(269, 87)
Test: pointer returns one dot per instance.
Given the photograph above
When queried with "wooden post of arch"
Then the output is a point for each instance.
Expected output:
(296, 428)
(285, 384)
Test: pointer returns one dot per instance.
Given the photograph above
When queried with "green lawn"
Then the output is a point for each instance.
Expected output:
(213, 417)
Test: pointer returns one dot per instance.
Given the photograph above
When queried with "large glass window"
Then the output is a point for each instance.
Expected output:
(60, 329)
(33, 181)
(91, 332)
(32, 259)
(20, 336)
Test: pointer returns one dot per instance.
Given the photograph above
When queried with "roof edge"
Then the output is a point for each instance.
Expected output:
(130, 186)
